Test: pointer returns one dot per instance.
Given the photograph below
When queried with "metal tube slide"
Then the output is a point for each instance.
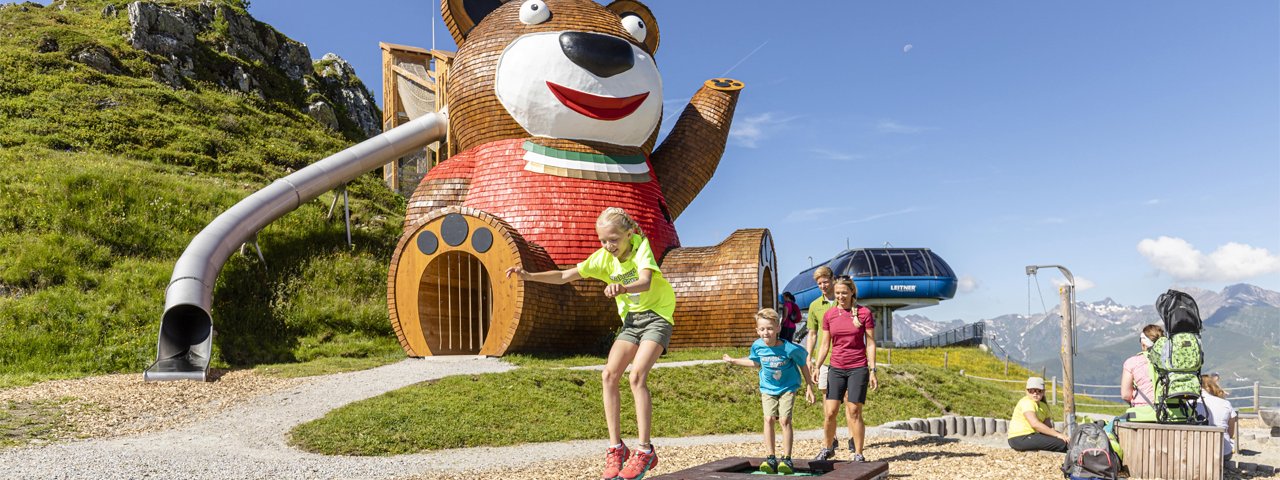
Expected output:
(186, 330)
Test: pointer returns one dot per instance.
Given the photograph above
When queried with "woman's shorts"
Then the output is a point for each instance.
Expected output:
(778, 406)
(645, 325)
(847, 384)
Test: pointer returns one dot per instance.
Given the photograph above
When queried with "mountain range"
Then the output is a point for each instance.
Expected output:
(1241, 335)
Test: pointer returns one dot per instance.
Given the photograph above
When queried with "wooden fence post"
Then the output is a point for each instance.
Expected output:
(1256, 405)
(1053, 394)
(946, 361)
(1006, 364)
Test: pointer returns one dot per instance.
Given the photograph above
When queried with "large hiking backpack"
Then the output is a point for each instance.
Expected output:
(1089, 454)
(1176, 360)
(1179, 312)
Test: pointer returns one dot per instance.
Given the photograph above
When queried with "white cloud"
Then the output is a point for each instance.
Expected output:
(1154, 201)
(1229, 263)
(877, 216)
(1082, 283)
(835, 155)
(890, 126)
(968, 284)
(811, 214)
(749, 131)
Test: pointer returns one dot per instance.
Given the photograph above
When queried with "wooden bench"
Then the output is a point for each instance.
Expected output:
(1152, 450)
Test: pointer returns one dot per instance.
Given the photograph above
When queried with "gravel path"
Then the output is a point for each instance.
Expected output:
(247, 440)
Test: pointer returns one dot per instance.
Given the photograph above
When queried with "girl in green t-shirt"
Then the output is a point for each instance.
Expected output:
(646, 303)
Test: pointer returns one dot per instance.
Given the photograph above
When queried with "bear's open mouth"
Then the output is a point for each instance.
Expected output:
(595, 106)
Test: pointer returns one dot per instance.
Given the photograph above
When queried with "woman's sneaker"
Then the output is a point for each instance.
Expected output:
(829, 452)
(825, 454)
(769, 465)
(786, 467)
(639, 464)
(613, 459)
(857, 457)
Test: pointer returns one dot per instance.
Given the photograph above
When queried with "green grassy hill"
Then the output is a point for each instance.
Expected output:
(556, 404)
(106, 174)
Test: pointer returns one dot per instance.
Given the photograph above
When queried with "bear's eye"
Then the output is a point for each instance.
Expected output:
(533, 12)
(634, 25)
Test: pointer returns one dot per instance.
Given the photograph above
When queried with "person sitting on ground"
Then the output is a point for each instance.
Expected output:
(1217, 409)
(1030, 428)
(783, 366)
(1136, 386)
(790, 317)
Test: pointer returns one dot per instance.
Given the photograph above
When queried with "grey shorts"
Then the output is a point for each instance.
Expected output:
(645, 325)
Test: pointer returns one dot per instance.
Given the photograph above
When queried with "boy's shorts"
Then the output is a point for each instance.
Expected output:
(645, 325)
(778, 405)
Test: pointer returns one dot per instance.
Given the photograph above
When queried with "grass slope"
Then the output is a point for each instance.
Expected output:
(106, 176)
(548, 404)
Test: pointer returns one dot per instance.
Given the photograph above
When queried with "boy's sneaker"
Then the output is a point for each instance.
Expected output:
(613, 459)
(786, 467)
(851, 446)
(769, 465)
(857, 457)
(639, 464)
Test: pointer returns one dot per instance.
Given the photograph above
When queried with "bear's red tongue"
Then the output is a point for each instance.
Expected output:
(597, 107)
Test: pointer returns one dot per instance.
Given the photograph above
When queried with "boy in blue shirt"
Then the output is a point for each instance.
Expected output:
(783, 366)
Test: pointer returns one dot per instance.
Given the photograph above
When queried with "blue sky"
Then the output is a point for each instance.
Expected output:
(1137, 143)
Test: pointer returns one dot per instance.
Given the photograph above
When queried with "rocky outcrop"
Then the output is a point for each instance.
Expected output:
(218, 43)
(339, 83)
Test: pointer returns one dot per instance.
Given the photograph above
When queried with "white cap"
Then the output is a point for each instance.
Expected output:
(1035, 383)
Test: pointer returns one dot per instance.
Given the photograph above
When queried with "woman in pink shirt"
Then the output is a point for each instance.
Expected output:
(1136, 386)
(851, 341)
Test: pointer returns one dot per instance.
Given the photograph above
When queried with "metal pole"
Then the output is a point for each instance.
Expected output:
(1053, 394)
(346, 214)
(1006, 364)
(1068, 360)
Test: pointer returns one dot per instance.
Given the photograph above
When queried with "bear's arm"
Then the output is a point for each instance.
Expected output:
(687, 159)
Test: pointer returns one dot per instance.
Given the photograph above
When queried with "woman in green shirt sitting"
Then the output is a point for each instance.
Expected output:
(1031, 428)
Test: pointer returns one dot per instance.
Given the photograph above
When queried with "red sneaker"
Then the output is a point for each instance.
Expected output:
(613, 459)
(639, 464)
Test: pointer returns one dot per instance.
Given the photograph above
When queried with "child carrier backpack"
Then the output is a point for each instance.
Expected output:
(1089, 454)
(1175, 360)
(1175, 375)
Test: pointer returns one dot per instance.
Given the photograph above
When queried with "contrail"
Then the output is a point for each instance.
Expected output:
(753, 52)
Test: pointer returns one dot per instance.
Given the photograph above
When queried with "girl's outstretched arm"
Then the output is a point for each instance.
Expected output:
(557, 277)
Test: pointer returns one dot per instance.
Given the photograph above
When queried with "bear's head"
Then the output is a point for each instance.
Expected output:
(555, 71)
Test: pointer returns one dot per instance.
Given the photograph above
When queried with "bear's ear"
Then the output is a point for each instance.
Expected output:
(463, 15)
(626, 8)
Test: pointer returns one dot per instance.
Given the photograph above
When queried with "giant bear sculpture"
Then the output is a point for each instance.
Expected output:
(554, 109)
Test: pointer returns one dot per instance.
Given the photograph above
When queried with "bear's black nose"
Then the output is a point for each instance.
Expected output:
(603, 55)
